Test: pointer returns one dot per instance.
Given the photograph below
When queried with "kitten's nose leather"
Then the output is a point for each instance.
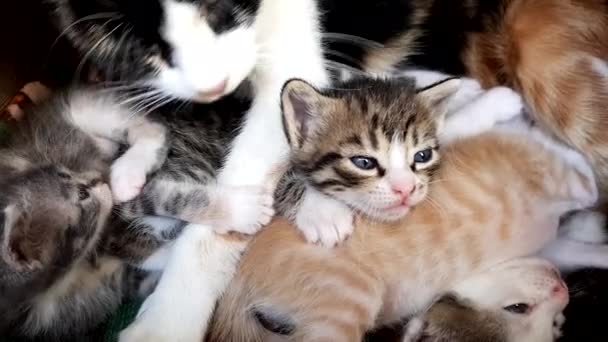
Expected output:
(215, 90)
(404, 191)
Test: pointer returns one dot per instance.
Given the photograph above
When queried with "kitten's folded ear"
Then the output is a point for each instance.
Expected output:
(302, 105)
(437, 96)
(19, 249)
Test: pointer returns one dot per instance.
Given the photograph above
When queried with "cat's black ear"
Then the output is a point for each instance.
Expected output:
(19, 249)
(437, 96)
(300, 104)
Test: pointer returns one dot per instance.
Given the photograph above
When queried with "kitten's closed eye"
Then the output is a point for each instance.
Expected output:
(519, 308)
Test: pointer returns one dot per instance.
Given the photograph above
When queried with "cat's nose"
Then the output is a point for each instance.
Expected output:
(403, 189)
(214, 91)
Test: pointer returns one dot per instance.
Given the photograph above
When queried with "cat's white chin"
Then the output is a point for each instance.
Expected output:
(392, 213)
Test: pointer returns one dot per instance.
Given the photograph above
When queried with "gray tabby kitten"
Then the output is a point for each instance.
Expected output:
(64, 252)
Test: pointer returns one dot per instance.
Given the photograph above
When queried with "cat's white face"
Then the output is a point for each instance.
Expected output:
(205, 64)
(528, 294)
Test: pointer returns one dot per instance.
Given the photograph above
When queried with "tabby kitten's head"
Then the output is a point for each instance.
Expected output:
(370, 143)
(49, 218)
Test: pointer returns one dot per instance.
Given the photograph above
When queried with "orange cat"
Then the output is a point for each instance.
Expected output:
(497, 196)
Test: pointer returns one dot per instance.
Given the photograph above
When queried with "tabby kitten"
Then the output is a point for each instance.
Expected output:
(387, 271)
(64, 256)
(370, 147)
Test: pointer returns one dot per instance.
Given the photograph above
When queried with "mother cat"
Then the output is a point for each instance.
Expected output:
(552, 51)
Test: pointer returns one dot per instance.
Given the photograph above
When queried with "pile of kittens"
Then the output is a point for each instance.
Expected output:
(280, 172)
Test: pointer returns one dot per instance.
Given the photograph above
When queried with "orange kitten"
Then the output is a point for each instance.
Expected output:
(497, 196)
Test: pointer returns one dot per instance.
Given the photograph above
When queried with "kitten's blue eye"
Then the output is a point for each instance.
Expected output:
(423, 156)
(520, 308)
(364, 163)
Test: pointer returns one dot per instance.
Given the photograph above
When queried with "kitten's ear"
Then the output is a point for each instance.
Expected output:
(437, 96)
(300, 104)
(19, 249)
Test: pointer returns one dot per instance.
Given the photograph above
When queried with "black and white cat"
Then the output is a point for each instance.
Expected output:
(202, 50)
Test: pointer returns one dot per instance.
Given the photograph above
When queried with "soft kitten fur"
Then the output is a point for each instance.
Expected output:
(63, 255)
(520, 300)
(385, 272)
(203, 49)
(324, 127)
(582, 236)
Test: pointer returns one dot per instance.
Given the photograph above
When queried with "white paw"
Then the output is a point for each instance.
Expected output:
(247, 209)
(127, 179)
(559, 321)
(505, 103)
(323, 219)
(469, 90)
(586, 226)
(582, 182)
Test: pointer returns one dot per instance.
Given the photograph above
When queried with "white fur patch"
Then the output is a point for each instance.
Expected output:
(324, 219)
(586, 226)
(600, 66)
(496, 105)
(203, 59)
(197, 272)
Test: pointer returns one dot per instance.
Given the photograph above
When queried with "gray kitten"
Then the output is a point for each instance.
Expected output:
(64, 252)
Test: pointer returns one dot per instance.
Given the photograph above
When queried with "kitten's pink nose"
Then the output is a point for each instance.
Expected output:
(559, 289)
(214, 91)
(403, 189)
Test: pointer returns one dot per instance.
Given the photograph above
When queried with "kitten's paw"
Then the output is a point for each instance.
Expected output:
(127, 179)
(323, 219)
(505, 102)
(469, 90)
(582, 182)
(247, 209)
(557, 325)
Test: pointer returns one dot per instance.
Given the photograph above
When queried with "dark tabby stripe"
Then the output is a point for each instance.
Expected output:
(349, 179)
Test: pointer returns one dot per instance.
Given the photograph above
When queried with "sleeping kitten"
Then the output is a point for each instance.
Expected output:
(385, 272)
(582, 235)
(372, 149)
(203, 49)
(520, 300)
(64, 256)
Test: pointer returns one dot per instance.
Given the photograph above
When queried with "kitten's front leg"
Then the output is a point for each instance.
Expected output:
(107, 121)
(147, 152)
(323, 219)
(288, 35)
(199, 269)
(207, 204)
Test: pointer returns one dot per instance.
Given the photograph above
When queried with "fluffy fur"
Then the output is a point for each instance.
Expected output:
(323, 159)
(519, 300)
(339, 294)
(63, 254)
(371, 146)
(203, 49)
